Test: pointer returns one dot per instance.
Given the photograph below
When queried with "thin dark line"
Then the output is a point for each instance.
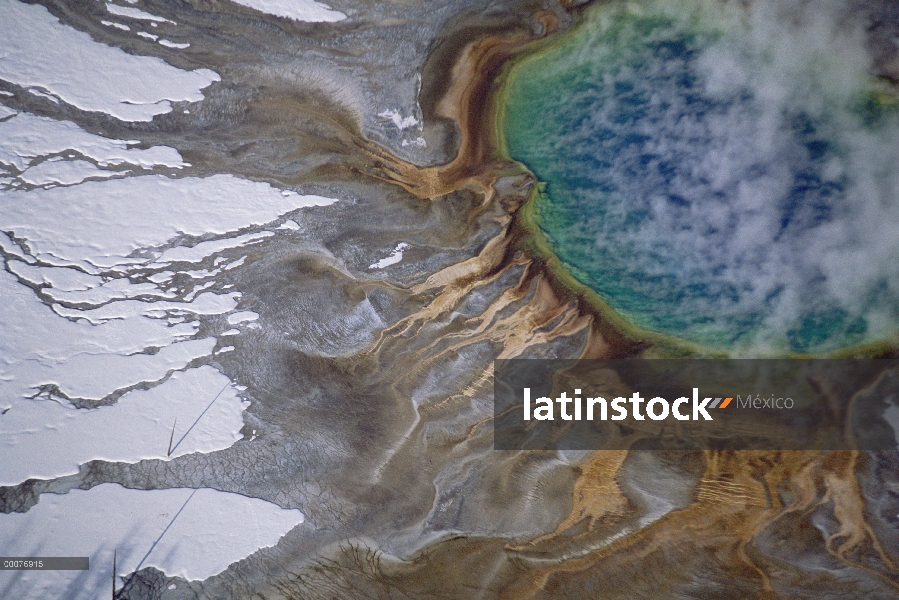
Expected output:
(172, 437)
(200, 417)
(141, 563)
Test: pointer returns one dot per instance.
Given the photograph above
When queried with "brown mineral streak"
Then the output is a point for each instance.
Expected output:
(467, 103)
(727, 514)
(738, 497)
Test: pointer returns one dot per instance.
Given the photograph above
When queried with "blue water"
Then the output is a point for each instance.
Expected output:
(716, 177)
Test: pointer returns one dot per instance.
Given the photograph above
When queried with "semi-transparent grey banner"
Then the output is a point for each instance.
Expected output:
(696, 404)
(44, 563)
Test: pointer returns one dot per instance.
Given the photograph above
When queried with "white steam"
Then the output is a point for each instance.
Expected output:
(762, 182)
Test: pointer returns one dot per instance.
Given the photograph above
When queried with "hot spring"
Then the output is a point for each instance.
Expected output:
(722, 174)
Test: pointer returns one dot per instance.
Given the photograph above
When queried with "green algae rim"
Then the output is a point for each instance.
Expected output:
(535, 242)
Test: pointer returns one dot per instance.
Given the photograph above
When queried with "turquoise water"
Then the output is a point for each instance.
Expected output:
(725, 177)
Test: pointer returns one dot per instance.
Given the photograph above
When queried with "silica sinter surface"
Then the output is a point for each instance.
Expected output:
(722, 174)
